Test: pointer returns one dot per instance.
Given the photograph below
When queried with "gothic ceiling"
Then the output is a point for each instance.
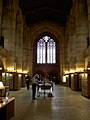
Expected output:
(41, 10)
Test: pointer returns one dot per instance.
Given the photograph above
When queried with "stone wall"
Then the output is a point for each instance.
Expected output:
(52, 29)
(77, 28)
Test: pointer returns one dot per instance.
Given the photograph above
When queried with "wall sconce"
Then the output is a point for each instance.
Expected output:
(2, 87)
(25, 72)
(88, 68)
(0, 68)
(64, 78)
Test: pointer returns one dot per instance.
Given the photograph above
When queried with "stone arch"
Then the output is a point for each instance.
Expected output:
(47, 28)
(50, 29)
(48, 34)
(51, 36)
(52, 69)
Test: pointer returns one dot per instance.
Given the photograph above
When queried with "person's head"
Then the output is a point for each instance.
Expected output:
(36, 76)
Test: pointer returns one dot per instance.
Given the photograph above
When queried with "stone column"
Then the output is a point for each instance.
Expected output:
(11, 42)
(0, 15)
(82, 35)
(66, 59)
(72, 52)
(81, 31)
(0, 31)
(88, 9)
(8, 31)
(19, 39)
(25, 49)
(72, 39)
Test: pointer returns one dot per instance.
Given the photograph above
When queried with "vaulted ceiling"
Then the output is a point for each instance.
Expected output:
(42, 10)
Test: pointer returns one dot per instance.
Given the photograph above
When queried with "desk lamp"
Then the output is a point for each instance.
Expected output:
(2, 87)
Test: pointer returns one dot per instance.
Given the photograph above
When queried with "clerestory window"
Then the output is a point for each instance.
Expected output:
(46, 50)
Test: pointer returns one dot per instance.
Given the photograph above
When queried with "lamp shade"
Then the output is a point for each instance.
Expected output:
(1, 85)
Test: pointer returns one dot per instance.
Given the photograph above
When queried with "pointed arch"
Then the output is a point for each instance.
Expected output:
(46, 50)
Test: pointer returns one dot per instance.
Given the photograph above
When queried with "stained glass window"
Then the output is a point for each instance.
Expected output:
(46, 50)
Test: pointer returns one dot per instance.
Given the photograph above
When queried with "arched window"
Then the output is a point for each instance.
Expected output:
(46, 50)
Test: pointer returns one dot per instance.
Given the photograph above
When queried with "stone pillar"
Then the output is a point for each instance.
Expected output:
(72, 40)
(66, 59)
(81, 31)
(8, 31)
(25, 49)
(10, 62)
(19, 39)
(72, 52)
(0, 15)
(0, 31)
(88, 9)
(82, 35)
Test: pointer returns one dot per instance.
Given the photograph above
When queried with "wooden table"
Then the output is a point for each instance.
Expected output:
(7, 108)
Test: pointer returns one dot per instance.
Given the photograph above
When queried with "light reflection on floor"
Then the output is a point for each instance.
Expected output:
(65, 105)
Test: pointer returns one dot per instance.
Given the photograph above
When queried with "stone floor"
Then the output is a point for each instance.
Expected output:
(65, 105)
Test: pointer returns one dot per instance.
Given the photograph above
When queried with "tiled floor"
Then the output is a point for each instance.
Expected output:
(65, 105)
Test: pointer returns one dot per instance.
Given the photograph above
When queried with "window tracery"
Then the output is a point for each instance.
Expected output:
(46, 50)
